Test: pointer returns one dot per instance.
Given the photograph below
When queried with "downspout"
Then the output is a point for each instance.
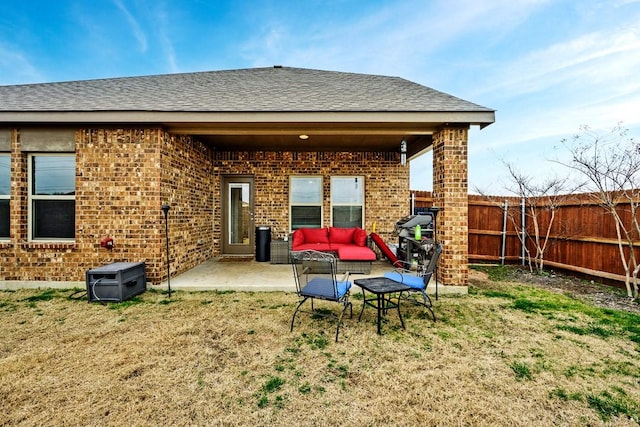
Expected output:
(413, 203)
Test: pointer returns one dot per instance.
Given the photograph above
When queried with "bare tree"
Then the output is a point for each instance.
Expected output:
(540, 198)
(611, 164)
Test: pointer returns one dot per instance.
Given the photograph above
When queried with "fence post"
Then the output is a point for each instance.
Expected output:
(503, 246)
(523, 234)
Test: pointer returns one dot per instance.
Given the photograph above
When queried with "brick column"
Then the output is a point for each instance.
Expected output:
(18, 227)
(450, 188)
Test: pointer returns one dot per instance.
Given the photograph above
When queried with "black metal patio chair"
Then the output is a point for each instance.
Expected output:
(315, 276)
(419, 280)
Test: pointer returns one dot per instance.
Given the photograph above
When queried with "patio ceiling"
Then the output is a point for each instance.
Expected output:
(308, 136)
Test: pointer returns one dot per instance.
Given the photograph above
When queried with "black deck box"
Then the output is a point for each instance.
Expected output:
(116, 282)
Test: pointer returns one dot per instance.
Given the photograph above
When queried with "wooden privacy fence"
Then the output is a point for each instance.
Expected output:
(582, 239)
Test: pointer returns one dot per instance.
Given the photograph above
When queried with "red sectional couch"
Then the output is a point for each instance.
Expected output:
(350, 245)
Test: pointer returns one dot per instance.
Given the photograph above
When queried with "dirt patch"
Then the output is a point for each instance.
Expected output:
(587, 290)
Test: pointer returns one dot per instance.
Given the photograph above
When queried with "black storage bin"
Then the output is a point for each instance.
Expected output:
(116, 282)
(263, 244)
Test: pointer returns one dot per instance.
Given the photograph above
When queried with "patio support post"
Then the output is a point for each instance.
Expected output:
(450, 192)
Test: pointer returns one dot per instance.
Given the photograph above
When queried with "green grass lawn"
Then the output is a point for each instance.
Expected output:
(506, 354)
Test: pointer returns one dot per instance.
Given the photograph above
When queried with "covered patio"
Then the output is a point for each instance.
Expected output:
(344, 118)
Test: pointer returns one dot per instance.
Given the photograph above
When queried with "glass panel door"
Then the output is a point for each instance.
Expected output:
(238, 235)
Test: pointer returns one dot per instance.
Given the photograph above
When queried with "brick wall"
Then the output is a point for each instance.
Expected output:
(450, 188)
(117, 195)
(386, 184)
(187, 185)
(123, 176)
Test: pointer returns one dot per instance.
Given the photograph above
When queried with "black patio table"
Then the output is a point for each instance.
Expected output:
(382, 288)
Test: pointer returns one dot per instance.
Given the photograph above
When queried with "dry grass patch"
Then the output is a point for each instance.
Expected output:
(507, 354)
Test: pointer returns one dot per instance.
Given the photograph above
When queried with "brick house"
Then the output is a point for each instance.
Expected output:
(82, 161)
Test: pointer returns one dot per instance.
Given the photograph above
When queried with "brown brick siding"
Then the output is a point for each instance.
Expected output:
(450, 192)
(123, 176)
(386, 184)
(117, 195)
(187, 185)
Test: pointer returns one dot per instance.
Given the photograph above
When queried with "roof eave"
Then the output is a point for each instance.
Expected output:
(481, 118)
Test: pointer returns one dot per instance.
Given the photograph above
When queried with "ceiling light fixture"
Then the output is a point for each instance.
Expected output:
(303, 136)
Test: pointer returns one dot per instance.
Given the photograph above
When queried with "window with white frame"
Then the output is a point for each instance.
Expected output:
(5, 192)
(347, 201)
(305, 201)
(52, 189)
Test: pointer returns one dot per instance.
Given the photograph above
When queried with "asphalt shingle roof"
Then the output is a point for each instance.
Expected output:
(274, 89)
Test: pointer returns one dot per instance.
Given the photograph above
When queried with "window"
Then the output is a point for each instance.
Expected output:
(52, 189)
(347, 201)
(305, 201)
(5, 191)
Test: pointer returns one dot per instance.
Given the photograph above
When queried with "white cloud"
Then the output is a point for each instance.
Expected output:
(398, 39)
(16, 68)
(163, 33)
(135, 26)
(598, 57)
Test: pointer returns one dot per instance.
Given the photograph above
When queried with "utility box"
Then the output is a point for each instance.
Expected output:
(116, 282)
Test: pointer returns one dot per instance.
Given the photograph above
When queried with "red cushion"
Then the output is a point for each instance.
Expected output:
(385, 250)
(316, 235)
(297, 239)
(356, 253)
(360, 237)
(323, 247)
(341, 235)
(336, 246)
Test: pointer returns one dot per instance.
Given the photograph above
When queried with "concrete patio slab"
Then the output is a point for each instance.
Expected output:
(246, 276)
(242, 275)
(264, 277)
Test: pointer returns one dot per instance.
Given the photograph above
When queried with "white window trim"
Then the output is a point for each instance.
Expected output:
(360, 177)
(33, 197)
(320, 204)
(6, 197)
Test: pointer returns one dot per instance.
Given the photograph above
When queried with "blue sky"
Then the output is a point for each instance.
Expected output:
(546, 66)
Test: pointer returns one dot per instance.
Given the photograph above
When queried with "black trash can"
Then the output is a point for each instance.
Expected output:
(263, 244)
